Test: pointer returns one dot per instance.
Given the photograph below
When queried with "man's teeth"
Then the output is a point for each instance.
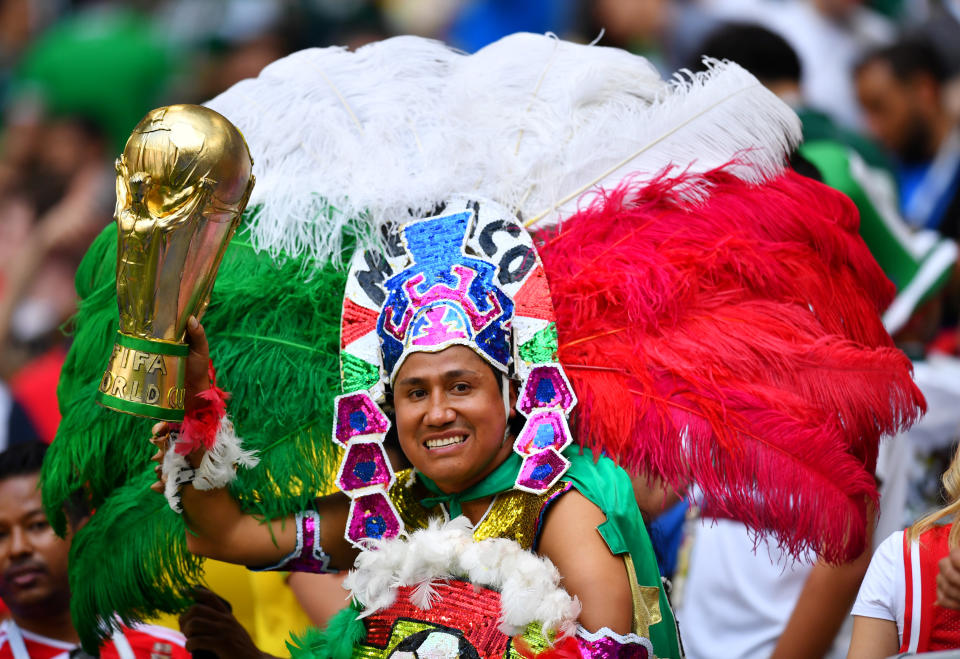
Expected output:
(446, 441)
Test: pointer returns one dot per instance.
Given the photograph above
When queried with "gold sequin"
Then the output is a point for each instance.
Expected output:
(514, 514)
(646, 602)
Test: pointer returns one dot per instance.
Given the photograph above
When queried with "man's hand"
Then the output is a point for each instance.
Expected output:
(210, 626)
(948, 580)
(197, 379)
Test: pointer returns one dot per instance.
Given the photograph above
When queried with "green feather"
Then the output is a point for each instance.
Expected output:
(274, 332)
(344, 631)
(130, 558)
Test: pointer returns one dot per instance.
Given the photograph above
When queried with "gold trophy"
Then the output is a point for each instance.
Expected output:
(182, 183)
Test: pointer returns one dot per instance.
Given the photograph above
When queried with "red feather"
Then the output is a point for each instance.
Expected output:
(728, 334)
(202, 420)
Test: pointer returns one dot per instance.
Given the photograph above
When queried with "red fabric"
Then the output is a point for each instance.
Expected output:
(733, 339)
(939, 627)
(146, 641)
(35, 387)
(474, 611)
(199, 427)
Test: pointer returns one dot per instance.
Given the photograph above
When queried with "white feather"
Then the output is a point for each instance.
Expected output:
(219, 465)
(371, 137)
(529, 585)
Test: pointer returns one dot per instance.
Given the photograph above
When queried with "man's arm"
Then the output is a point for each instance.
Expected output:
(824, 604)
(216, 526)
(590, 572)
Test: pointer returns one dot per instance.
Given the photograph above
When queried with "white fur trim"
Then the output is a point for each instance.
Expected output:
(389, 130)
(529, 585)
(219, 465)
(217, 468)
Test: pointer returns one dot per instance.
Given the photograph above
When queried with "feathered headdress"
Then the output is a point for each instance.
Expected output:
(716, 314)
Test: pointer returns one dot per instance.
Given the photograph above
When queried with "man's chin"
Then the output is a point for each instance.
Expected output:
(32, 601)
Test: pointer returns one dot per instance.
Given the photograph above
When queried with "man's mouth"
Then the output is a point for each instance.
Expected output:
(445, 441)
(24, 577)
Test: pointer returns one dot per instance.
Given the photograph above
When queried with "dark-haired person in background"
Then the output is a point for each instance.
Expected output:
(33, 576)
(901, 91)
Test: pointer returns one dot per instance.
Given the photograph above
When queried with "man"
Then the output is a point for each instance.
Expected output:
(33, 576)
(901, 91)
(454, 412)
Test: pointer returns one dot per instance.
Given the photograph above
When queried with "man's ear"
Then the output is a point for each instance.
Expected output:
(513, 399)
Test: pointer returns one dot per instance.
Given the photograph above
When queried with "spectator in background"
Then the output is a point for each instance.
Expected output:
(828, 36)
(900, 89)
(755, 601)
(33, 575)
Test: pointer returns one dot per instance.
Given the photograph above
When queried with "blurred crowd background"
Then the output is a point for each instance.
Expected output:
(876, 83)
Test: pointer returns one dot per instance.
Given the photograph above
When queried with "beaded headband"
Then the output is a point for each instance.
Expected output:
(467, 276)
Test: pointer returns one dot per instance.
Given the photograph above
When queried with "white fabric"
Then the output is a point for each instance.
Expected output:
(883, 591)
(901, 465)
(12, 634)
(120, 642)
(736, 599)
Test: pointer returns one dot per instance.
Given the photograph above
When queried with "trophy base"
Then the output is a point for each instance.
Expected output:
(145, 378)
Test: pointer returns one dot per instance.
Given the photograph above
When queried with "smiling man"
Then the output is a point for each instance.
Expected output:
(463, 355)
(33, 577)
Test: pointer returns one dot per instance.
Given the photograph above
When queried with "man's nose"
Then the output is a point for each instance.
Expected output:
(439, 412)
(20, 544)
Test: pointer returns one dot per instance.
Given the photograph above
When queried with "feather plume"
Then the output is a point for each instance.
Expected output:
(129, 563)
(734, 341)
(529, 121)
(274, 329)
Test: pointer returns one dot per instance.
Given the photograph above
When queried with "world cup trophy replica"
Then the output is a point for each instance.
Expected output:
(183, 181)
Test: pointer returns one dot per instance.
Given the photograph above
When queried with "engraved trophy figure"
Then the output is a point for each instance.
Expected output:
(183, 181)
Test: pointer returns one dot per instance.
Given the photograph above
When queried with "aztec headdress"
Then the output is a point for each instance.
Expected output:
(716, 313)
(468, 276)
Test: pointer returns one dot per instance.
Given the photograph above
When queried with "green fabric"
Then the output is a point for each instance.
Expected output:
(500, 480)
(886, 235)
(609, 488)
(108, 64)
(819, 127)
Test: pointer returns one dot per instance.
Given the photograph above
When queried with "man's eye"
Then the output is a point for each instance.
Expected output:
(41, 525)
(461, 387)
(416, 394)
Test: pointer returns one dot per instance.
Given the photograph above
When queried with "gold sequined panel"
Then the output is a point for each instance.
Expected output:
(514, 514)
(405, 495)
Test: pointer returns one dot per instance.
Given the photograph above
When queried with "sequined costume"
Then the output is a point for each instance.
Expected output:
(519, 516)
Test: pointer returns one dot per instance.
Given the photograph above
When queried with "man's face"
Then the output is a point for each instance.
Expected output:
(33, 559)
(450, 417)
(892, 111)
